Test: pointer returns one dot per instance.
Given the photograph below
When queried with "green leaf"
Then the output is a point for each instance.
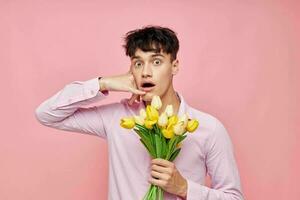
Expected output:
(174, 154)
(144, 135)
(140, 133)
(158, 145)
(171, 145)
(147, 143)
(181, 137)
(164, 146)
(142, 127)
(173, 142)
(152, 141)
(145, 146)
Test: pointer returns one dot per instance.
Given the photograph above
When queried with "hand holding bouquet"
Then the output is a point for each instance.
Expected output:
(160, 134)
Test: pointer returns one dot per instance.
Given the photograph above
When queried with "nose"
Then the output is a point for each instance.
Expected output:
(147, 71)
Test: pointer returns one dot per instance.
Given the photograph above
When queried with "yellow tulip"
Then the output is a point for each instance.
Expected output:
(192, 125)
(139, 120)
(163, 120)
(149, 124)
(172, 121)
(169, 110)
(179, 128)
(168, 133)
(127, 123)
(152, 113)
(156, 102)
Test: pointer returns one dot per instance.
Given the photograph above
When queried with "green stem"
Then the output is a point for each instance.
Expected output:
(160, 194)
(153, 193)
(148, 194)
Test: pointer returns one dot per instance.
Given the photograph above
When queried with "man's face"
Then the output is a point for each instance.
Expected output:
(153, 73)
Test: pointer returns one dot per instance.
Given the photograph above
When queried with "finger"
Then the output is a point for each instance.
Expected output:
(132, 99)
(160, 169)
(159, 175)
(136, 91)
(156, 182)
(162, 162)
(139, 98)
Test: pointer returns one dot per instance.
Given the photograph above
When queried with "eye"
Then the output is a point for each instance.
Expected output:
(157, 62)
(137, 64)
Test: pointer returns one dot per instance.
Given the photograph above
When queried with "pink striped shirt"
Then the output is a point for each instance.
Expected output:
(206, 151)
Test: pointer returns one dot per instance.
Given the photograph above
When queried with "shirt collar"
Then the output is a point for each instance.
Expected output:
(182, 106)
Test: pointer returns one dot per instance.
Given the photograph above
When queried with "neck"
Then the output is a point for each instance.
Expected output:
(167, 99)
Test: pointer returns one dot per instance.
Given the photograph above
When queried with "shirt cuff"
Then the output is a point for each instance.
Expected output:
(73, 93)
(92, 88)
(194, 191)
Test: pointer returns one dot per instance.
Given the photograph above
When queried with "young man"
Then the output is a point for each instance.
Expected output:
(152, 51)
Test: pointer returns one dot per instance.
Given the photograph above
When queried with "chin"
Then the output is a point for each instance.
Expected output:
(148, 96)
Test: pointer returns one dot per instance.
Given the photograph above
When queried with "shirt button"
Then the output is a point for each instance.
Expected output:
(92, 92)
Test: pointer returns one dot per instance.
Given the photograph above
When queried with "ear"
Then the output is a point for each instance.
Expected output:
(175, 66)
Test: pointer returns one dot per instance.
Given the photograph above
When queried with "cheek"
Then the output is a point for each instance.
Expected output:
(163, 72)
(164, 82)
(165, 77)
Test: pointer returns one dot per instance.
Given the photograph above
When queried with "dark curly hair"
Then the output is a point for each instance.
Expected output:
(152, 38)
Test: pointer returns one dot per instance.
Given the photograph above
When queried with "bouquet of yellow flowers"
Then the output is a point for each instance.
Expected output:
(160, 134)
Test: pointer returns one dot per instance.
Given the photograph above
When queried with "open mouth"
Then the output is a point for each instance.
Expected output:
(147, 86)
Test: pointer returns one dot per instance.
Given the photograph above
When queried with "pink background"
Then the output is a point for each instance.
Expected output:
(239, 61)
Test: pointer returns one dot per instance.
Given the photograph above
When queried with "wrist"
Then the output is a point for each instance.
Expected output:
(102, 84)
(183, 190)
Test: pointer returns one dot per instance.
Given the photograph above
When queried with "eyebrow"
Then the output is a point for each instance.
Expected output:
(153, 55)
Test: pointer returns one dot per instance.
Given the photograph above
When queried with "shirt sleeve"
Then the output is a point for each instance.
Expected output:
(64, 109)
(221, 167)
